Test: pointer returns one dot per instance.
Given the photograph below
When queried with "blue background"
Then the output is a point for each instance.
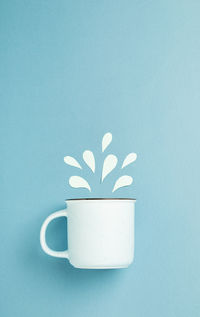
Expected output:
(71, 71)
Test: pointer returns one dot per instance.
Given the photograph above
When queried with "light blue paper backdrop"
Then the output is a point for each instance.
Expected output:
(71, 71)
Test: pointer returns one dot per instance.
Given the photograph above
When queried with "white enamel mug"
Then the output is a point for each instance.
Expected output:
(100, 233)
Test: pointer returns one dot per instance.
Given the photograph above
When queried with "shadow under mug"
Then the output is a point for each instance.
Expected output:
(100, 232)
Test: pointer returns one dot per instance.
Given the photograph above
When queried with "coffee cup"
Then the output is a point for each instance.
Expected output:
(100, 232)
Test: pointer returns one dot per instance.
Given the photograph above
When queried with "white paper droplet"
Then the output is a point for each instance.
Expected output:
(109, 164)
(79, 182)
(89, 159)
(130, 158)
(122, 181)
(71, 161)
(107, 138)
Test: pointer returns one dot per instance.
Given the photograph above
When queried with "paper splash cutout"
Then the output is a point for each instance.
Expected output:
(109, 164)
(130, 158)
(72, 161)
(107, 139)
(79, 182)
(122, 182)
(89, 159)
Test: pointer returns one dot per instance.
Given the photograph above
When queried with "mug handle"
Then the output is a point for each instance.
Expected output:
(58, 254)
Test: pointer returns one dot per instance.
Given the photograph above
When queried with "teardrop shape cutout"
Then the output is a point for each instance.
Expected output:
(107, 139)
(109, 164)
(89, 159)
(79, 182)
(72, 161)
(130, 158)
(122, 181)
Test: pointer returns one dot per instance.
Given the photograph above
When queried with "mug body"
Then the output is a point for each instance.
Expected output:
(100, 232)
